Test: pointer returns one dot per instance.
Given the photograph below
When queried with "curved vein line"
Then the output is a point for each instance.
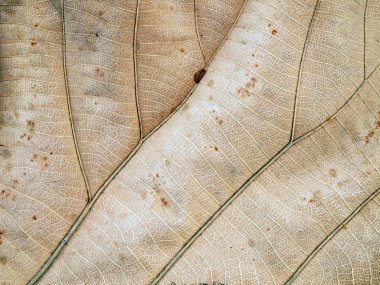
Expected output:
(300, 68)
(69, 103)
(331, 235)
(197, 31)
(88, 207)
(135, 69)
(245, 185)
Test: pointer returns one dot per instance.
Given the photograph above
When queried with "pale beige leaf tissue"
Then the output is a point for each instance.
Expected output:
(189, 142)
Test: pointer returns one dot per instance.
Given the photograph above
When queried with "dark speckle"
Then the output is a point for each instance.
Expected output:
(99, 72)
(31, 123)
(3, 260)
(199, 74)
(34, 218)
(219, 120)
(33, 42)
(332, 172)
(164, 202)
(274, 32)
(97, 35)
(182, 50)
(216, 148)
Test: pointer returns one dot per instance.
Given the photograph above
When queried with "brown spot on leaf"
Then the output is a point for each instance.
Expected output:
(199, 74)
(219, 120)
(274, 32)
(99, 72)
(4, 194)
(332, 172)
(316, 198)
(31, 123)
(3, 260)
(216, 148)
(182, 50)
(36, 25)
(33, 42)
(100, 13)
(164, 202)
(251, 83)
(34, 218)
(14, 183)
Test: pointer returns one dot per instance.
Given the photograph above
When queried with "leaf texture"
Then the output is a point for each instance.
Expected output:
(190, 142)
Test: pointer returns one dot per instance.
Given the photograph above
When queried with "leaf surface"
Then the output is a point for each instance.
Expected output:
(262, 168)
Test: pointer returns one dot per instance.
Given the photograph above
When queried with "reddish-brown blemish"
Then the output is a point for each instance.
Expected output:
(34, 218)
(36, 25)
(332, 172)
(99, 72)
(251, 83)
(274, 32)
(33, 42)
(100, 13)
(182, 50)
(15, 183)
(164, 202)
(4, 194)
(216, 148)
(219, 120)
(31, 123)
(35, 156)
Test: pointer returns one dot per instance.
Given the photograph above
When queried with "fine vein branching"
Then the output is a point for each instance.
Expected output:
(244, 186)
